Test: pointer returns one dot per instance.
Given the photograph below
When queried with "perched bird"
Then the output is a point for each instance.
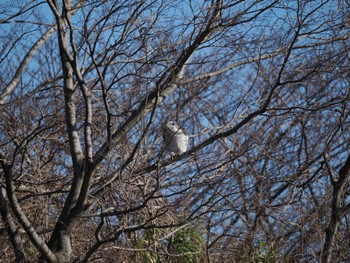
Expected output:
(174, 138)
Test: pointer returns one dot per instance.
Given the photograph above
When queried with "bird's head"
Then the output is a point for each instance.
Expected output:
(170, 123)
(172, 126)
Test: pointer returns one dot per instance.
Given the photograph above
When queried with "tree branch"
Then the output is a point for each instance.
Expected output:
(16, 78)
(11, 229)
(25, 223)
(337, 211)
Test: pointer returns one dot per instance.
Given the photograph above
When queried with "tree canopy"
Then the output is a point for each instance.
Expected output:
(261, 88)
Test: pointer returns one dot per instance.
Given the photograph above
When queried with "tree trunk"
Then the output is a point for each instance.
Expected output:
(337, 200)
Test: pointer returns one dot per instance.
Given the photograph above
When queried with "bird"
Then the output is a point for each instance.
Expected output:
(175, 140)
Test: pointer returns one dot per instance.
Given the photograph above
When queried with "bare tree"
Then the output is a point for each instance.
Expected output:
(261, 88)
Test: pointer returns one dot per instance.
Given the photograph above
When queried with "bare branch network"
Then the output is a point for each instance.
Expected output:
(174, 131)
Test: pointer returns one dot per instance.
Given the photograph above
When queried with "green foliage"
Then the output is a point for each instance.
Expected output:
(184, 246)
(266, 253)
(147, 255)
(28, 248)
(263, 253)
(187, 245)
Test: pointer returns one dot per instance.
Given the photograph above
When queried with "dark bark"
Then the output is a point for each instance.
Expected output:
(337, 211)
